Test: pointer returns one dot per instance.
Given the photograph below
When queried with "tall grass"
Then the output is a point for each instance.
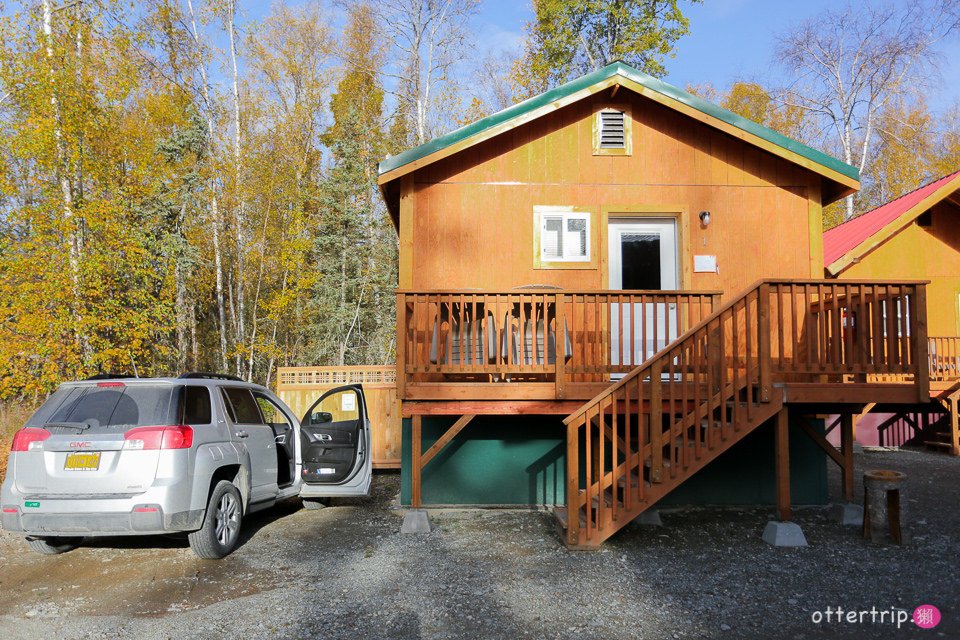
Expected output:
(12, 417)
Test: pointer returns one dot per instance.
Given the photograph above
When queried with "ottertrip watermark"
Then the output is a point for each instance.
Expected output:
(926, 616)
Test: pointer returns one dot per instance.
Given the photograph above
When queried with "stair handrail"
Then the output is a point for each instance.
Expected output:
(659, 355)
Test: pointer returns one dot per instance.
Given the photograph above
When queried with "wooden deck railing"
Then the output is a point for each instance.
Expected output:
(693, 399)
(849, 328)
(538, 335)
(945, 358)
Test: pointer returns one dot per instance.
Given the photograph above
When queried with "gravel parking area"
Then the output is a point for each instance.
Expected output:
(346, 572)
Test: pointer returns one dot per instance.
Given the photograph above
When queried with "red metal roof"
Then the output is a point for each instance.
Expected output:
(847, 236)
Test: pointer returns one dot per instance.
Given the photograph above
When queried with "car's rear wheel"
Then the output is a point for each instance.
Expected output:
(52, 545)
(221, 525)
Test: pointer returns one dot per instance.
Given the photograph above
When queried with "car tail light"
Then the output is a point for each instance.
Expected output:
(29, 439)
(111, 384)
(9, 509)
(150, 438)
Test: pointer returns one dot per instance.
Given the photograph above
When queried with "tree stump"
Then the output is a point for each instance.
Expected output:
(883, 506)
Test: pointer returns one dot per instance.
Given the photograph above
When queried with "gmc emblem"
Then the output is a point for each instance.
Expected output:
(79, 445)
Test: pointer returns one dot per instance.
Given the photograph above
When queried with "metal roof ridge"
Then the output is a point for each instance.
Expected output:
(617, 68)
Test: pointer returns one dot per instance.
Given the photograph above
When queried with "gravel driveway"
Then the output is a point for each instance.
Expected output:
(346, 572)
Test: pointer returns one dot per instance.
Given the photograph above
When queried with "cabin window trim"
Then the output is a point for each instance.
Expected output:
(567, 217)
(598, 148)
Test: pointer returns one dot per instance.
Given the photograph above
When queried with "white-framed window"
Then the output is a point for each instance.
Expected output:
(564, 235)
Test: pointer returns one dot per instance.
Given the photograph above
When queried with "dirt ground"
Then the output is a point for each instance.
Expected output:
(347, 572)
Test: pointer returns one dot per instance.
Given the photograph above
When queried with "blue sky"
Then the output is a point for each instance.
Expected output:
(728, 40)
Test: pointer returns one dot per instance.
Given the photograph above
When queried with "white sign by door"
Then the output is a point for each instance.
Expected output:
(348, 402)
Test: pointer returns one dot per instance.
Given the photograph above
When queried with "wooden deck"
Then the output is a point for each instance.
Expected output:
(671, 379)
(533, 344)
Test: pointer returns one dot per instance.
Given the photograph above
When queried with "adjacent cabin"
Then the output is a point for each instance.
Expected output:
(914, 236)
(608, 286)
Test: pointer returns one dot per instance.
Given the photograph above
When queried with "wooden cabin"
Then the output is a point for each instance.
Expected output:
(607, 286)
(914, 236)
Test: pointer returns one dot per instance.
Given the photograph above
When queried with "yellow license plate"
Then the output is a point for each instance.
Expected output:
(82, 461)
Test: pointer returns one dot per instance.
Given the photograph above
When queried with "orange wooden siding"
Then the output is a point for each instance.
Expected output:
(927, 253)
(472, 213)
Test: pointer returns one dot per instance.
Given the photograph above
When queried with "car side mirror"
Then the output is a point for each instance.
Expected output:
(320, 417)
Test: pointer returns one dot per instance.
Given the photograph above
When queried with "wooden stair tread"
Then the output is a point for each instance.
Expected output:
(563, 520)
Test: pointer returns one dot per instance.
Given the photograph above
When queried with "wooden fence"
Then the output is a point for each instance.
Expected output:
(299, 387)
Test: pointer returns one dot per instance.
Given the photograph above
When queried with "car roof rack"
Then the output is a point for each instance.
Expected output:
(209, 375)
(111, 376)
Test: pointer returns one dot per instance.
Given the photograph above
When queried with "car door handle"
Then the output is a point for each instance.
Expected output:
(241, 434)
(324, 437)
(281, 439)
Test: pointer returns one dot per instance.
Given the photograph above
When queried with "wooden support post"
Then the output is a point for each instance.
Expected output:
(401, 346)
(955, 424)
(716, 300)
(782, 455)
(846, 451)
(763, 341)
(416, 447)
(656, 422)
(715, 357)
(561, 344)
(573, 483)
(920, 348)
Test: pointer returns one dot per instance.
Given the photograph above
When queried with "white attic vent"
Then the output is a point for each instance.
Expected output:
(612, 130)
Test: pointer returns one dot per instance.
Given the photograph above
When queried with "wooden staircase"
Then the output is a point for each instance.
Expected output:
(945, 434)
(727, 375)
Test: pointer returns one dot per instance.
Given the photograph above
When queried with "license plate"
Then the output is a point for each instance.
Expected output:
(82, 461)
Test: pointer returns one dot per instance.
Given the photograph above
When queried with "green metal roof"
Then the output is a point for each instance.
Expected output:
(648, 81)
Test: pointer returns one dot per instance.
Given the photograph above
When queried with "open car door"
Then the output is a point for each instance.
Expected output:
(335, 444)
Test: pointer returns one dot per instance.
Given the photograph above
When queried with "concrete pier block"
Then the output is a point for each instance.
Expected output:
(416, 521)
(649, 518)
(847, 514)
(784, 534)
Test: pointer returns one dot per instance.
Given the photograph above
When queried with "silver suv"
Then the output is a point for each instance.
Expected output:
(195, 454)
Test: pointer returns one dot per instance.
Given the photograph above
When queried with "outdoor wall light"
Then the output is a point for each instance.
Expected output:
(705, 218)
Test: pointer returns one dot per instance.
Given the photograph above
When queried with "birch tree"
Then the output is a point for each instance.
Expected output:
(215, 222)
(848, 64)
(427, 38)
(240, 218)
(62, 170)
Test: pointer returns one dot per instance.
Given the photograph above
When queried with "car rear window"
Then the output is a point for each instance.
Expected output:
(101, 408)
(196, 406)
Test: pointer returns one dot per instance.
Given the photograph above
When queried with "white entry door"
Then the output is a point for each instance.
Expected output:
(643, 256)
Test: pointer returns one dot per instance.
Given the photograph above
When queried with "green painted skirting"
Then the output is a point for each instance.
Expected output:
(495, 460)
(520, 460)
